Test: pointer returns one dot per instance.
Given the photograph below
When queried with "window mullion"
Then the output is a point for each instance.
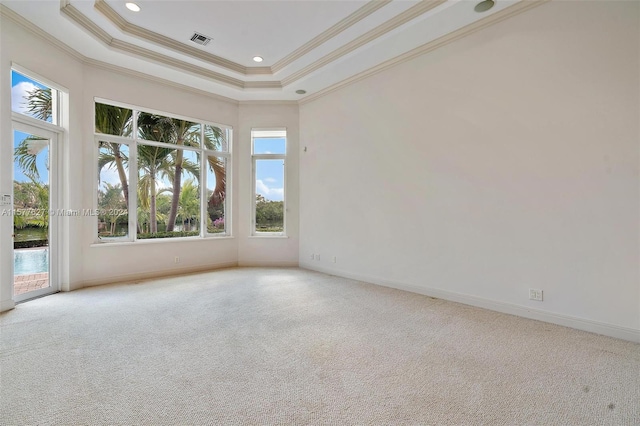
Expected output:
(133, 180)
(141, 146)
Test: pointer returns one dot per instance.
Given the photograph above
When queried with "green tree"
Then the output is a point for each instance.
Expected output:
(187, 134)
(189, 209)
(111, 200)
(40, 103)
(117, 121)
(153, 163)
(269, 215)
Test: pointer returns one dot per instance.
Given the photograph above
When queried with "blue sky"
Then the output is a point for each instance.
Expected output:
(269, 174)
(20, 85)
(41, 161)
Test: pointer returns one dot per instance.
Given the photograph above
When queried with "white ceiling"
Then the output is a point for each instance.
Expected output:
(306, 44)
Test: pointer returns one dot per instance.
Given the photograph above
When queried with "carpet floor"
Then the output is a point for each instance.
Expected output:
(289, 346)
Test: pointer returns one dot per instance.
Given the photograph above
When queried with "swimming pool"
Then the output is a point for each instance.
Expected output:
(30, 261)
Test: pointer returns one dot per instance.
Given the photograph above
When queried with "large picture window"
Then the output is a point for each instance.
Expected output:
(268, 153)
(177, 187)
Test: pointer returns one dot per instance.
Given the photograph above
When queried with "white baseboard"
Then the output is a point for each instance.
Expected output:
(7, 305)
(156, 274)
(267, 263)
(583, 324)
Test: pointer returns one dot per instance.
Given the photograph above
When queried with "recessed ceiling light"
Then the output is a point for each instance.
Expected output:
(258, 58)
(483, 6)
(133, 7)
(301, 92)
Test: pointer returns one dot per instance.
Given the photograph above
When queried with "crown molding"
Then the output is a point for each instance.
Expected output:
(267, 102)
(505, 13)
(158, 39)
(166, 42)
(126, 71)
(346, 23)
(398, 20)
(76, 16)
(508, 12)
(37, 31)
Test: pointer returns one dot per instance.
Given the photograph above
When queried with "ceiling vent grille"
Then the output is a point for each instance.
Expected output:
(200, 39)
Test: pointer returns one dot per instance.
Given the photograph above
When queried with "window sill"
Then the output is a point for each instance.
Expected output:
(267, 235)
(157, 241)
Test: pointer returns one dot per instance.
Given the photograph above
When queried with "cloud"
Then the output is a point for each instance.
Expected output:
(273, 194)
(277, 194)
(19, 96)
(269, 180)
(109, 175)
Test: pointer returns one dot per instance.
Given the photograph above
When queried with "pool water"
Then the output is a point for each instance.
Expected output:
(30, 261)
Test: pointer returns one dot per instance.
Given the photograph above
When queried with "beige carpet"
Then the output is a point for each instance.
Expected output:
(288, 346)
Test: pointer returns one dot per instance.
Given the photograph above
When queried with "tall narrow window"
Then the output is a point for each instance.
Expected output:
(269, 148)
(36, 118)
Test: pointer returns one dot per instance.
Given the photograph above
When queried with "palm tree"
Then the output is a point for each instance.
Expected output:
(118, 121)
(187, 134)
(189, 204)
(40, 103)
(114, 120)
(110, 199)
(40, 106)
(153, 163)
(26, 154)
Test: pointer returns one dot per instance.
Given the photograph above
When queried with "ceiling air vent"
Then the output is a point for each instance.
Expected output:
(200, 39)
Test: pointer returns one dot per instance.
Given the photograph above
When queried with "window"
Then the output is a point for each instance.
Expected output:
(178, 185)
(268, 153)
(36, 117)
(34, 99)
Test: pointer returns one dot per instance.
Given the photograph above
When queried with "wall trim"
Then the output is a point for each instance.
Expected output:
(184, 271)
(341, 26)
(7, 305)
(268, 102)
(142, 33)
(505, 13)
(267, 264)
(76, 16)
(583, 324)
(126, 71)
(393, 23)
(519, 7)
(37, 31)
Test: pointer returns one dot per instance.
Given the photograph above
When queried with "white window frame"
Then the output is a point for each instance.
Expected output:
(132, 143)
(57, 92)
(57, 134)
(263, 133)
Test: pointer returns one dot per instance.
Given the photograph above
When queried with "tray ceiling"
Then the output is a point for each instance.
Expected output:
(306, 45)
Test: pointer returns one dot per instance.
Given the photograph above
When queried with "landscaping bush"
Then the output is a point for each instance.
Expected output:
(148, 236)
(30, 244)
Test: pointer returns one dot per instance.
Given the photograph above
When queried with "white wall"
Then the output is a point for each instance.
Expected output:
(502, 162)
(260, 250)
(29, 51)
(106, 262)
(91, 264)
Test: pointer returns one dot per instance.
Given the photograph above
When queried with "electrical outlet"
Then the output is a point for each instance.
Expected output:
(317, 257)
(535, 294)
(335, 259)
(313, 256)
(176, 259)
